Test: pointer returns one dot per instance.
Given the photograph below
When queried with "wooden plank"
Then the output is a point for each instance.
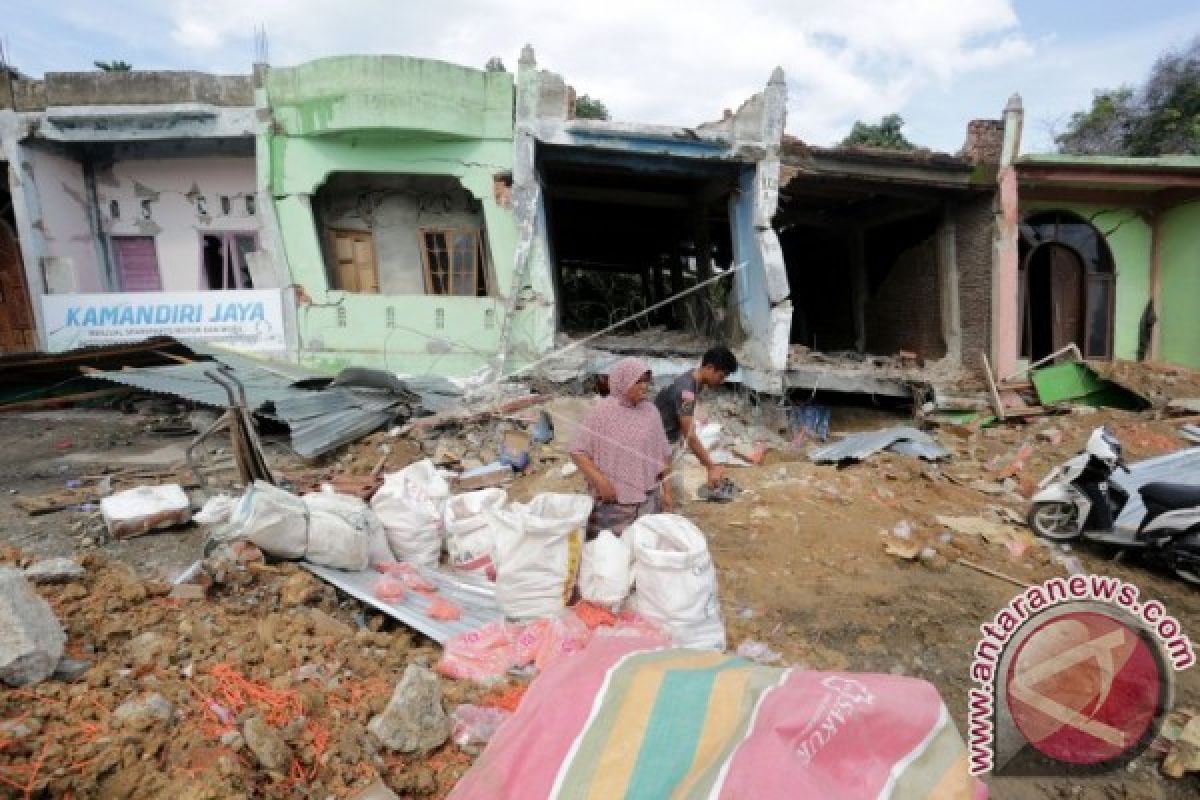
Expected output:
(997, 406)
(64, 400)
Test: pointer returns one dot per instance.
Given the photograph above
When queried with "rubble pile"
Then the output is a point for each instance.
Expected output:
(265, 688)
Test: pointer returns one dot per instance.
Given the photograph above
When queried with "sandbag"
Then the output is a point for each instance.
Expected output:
(273, 519)
(537, 553)
(470, 538)
(410, 505)
(606, 573)
(378, 549)
(216, 510)
(339, 531)
(676, 584)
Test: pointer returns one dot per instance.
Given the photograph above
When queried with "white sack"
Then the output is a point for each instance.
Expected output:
(340, 531)
(409, 505)
(145, 508)
(273, 519)
(216, 510)
(470, 537)
(606, 573)
(537, 553)
(675, 579)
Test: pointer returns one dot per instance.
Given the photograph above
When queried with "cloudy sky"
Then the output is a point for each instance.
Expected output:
(936, 62)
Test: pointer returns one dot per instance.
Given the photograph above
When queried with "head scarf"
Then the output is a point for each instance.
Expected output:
(625, 442)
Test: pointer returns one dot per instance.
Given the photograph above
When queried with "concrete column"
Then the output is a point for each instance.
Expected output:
(26, 210)
(1005, 259)
(858, 287)
(947, 261)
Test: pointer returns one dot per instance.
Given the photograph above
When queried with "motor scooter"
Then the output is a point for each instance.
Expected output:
(1078, 499)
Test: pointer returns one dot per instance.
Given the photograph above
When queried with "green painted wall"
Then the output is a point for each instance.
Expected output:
(389, 114)
(1128, 238)
(1179, 262)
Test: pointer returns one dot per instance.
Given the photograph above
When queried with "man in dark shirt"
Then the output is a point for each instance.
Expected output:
(677, 405)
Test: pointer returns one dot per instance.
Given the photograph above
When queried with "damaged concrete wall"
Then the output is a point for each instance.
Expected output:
(903, 311)
(397, 116)
(60, 212)
(393, 208)
(143, 87)
(974, 221)
(177, 201)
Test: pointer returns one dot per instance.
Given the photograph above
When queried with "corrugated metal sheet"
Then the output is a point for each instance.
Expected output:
(1182, 466)
(478, 603)
(908, 441)
(319, 420)
(189, 381)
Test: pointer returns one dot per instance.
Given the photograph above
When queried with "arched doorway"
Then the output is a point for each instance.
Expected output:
(1066, 287)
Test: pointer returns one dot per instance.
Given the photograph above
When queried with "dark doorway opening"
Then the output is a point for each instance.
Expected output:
(1055, 299)
(1066, 286)
(863, 267)
(627, 233)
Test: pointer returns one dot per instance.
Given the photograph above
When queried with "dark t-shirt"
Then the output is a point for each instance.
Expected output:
(675, 401)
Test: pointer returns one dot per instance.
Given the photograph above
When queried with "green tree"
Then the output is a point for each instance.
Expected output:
(1162, 116)
(113, 66)
(1103, 127)
(587, 107)
(886, 134)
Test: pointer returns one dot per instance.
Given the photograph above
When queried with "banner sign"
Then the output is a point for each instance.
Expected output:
(247, 319)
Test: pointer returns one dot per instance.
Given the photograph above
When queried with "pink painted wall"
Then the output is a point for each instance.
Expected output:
(62, 216)
(178, 218)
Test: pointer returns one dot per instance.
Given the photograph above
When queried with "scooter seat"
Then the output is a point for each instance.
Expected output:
(1171, 495)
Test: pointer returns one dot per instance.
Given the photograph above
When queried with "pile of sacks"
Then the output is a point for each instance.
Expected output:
(533, 552)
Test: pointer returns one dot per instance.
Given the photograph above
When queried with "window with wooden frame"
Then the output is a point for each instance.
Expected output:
(353, 256)
(454, 262)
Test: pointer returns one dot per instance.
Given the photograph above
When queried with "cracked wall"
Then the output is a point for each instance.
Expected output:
(55, 189)
(388, 115)
(185, 199)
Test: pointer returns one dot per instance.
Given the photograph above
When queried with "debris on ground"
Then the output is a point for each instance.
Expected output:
(857, 447)
(137, 511)
(31, 638)
(258, 673)
(414, 720)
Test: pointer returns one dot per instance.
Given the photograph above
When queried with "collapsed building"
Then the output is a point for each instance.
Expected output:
(429, 218)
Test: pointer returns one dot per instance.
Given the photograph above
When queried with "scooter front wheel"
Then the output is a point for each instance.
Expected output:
(1058, 522)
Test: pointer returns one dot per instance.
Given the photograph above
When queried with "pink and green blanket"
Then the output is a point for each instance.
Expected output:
(629, 719)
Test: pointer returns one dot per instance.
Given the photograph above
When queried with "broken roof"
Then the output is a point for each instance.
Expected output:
(319, 419)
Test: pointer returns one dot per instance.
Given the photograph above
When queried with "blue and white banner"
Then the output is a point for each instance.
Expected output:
(248, 319)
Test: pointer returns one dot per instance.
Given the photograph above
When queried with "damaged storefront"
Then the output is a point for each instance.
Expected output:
(618, 220)
(390, 184)
(135, 202)
(889, 262)
(1107, 252)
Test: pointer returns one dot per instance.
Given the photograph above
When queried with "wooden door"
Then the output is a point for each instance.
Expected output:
(354, 262)
(16, 314)
(137, 263)
(1066, 282)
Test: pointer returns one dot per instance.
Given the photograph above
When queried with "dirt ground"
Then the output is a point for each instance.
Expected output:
(801, 561)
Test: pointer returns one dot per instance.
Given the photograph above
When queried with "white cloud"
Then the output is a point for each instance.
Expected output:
(665, 61)
(653, 61)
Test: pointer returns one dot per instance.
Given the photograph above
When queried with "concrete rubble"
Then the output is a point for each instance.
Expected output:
(415, 720)
(53, 570)
(31, 638)
(263, 678)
